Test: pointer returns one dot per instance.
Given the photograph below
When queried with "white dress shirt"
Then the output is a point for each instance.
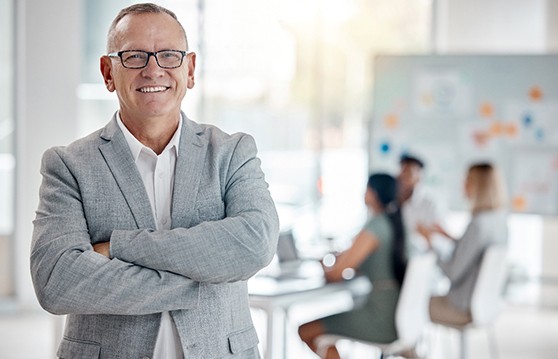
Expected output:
(420, 208)
(157, 173)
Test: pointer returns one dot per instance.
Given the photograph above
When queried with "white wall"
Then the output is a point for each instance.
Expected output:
(48, 57)
(491, 26)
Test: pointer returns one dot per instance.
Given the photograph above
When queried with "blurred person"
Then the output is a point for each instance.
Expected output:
(148, 229)
(378, 252)
(485, 191)
(418, 206)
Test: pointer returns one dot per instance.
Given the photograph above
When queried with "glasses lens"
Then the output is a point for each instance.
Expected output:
(134, 59)
(169, 59)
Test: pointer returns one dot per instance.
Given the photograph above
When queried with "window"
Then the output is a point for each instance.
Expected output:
(7, 158)
(297, 75)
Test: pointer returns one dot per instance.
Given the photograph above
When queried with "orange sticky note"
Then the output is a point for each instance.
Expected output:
(486, 110)
(535, 93)
(519, 203)
(391, 121)
(511, 130)
(496, 128)
(481, 138)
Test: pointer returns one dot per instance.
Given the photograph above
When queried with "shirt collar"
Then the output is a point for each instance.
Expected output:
(136, 146)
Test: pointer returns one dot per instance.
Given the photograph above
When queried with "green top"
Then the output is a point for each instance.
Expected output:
(375, 320)
(377, 266)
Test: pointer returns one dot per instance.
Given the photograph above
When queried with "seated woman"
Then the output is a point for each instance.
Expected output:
(378, 252)
(485, 191)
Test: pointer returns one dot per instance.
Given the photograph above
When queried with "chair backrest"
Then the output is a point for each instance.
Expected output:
(412, 315)
(488, 297)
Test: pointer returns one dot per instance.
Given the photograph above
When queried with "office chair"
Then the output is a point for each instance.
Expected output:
(487, 300)
(411, 313)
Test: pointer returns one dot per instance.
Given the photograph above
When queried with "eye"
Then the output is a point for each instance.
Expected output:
(170, 55)
(132, 56)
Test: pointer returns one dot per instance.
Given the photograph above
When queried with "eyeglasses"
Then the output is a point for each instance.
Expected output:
(138, 59)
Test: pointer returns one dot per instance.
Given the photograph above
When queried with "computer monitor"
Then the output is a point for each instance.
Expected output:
(286, 247)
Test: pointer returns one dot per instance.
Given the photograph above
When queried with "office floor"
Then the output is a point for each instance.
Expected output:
(524, 330)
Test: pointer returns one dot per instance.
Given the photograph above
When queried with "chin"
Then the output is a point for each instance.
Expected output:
(157, 110)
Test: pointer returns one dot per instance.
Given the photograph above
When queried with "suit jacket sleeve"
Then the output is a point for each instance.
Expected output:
(230, 249)
(69, 277)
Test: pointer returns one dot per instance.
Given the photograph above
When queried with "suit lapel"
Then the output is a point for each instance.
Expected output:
(187, 176)
(119, 159)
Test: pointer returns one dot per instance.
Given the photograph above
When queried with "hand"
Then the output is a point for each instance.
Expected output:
(327, 265)
(331, 276)
(439, 229)
(425, 231)
(102, 248)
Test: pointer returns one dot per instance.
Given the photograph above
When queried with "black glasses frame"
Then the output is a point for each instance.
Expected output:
(119, 54)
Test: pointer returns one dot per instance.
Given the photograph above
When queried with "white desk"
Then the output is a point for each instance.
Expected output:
(275, 297)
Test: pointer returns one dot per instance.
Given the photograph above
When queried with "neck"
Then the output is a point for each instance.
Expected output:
(405, 194)
(377, 210)
(154, 133)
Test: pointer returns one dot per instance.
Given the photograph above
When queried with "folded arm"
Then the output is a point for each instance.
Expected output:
(230, 249)
(363, 245)
(69, 277)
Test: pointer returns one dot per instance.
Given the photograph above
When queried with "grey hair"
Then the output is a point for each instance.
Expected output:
(145, 8)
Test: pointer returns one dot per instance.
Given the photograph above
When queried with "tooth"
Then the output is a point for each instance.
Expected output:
(153, 89)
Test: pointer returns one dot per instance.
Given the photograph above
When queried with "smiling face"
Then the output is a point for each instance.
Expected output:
(151, 92)
(409, 175)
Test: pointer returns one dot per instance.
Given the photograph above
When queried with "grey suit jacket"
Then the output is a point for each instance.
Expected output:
(462, 269)
(224, 229)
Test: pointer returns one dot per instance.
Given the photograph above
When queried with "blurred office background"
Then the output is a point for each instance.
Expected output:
(296, 74)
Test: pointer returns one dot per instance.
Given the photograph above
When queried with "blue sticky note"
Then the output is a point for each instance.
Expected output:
(385, 147)
(527, 120)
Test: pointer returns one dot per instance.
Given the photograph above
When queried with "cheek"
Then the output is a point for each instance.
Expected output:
(468, 190)
(369, 199)
(121, 82)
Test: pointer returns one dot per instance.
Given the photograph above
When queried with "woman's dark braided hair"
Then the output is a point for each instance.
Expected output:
(385, 188)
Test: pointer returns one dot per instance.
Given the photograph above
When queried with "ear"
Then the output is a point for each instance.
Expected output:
(191, 57)
(106, 71)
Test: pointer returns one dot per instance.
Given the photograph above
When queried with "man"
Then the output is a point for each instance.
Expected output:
(418, 208)
(148, 229)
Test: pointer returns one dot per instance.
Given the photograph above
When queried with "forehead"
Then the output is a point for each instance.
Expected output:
(410, 166)
(149, 31)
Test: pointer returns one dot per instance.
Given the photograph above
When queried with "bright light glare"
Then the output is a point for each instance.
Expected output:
(348, 273)
(328, 260)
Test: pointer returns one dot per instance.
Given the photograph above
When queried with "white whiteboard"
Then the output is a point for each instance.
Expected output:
(453, 110)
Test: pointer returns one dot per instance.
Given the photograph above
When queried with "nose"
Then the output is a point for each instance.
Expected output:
(152, 69)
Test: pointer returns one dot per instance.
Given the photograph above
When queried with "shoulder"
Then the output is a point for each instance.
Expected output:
(490, 226)
(84, 152)
(217, 138)
(489, 218)
(379, 225)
